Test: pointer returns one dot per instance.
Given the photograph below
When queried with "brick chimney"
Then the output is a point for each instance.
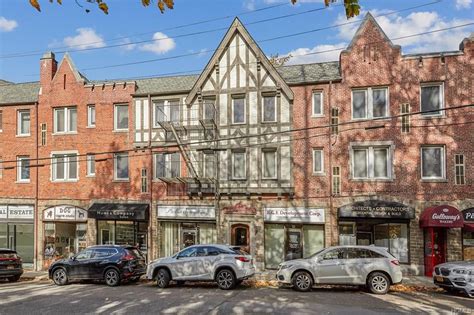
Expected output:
(48, 67)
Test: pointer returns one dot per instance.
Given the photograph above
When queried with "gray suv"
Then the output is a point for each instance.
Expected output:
(372, 266)
(455, 276)
(226, 265)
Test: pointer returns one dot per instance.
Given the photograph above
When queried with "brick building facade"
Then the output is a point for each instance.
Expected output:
(281, 161)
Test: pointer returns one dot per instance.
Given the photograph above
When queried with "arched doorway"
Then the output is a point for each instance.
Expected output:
(241, 236)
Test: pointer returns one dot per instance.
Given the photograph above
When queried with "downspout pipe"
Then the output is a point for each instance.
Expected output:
(36, 217)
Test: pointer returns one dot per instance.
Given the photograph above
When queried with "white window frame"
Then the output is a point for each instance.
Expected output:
(369, 102)
(441, 95)
(245, 110)
(321, 93)
(370, 161)
(66, 166)
(443, 162)
(67, 128)
(263, 108)
(18, 168)
(167, 110)
(90, 158)
(212, 158)
(116, 116)
(245, 165)
(314, 161)
(167, 164)
(115, 167)
(264, 166)
(19, 114)
(91, 108)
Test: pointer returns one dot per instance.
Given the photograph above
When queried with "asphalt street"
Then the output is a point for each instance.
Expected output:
(31, 297)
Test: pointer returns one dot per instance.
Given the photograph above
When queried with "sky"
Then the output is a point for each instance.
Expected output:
(151, 41)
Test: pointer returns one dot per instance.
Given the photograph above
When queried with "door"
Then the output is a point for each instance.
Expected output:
(364, 238)
(188, 237)
(294, 248)
(435, 248)
(209, 256)
(80, 265)
(187, 265)
(241, 237)
(330, 267)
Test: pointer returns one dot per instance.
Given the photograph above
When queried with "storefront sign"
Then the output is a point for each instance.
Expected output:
(441, 216)
(119, 211)
(22, 212)
(239, 208)
(65, 213)
(468, 215)
(377, 209)
(294, 215)
(186, 212)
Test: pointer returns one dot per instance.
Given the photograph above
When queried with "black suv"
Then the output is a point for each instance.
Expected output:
(112, 263)
(11, 267)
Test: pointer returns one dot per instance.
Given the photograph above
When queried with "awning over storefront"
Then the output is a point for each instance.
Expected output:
(468, 216)
(119, 211)
(441, 216)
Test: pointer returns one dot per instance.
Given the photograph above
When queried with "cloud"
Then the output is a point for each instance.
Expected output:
(463, 4)
(127, 44)
(161, 44)
(86, 38)
(319, 53)
(7, 25)
(249, 5)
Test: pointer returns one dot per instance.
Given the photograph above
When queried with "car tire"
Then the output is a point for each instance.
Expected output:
(302, 281)
(225, 279)
(60, 277)
(163, 278)
(14, 278)
(378, 283)
(112, 277)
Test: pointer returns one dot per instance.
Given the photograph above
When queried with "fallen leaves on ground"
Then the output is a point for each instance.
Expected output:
(403, 288)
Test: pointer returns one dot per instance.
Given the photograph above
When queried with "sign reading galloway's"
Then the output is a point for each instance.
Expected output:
(296, 215)
(22, 212)
(186, 212)
(377, 209)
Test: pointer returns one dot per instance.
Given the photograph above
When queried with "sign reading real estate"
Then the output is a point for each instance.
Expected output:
(64, 213)
(296, 215)
(21, 212)
(186, 212)
(377, 209)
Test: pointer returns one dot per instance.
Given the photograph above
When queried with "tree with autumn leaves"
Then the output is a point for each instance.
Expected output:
(352, 7)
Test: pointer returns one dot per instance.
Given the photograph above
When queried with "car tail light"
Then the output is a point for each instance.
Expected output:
(128, 257)
(395, 262)
(242, 258)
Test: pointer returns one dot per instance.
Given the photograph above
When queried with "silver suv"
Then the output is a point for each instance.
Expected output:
(372, 266)
(455, 276)
(223, 264)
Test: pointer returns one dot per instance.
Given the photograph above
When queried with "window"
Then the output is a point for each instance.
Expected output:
(269, 109)
(334, 120)
(23, 122)
(432, 98)
(121, 166)
(144, 180)
(167, 165)
(318, 161)
(121, 117)
(166, 111)
(1, 167)
(238, 110)
(459, 168)
(238, 165)
(1, 121)
(188, 252)
(209, 109)
(23, 169)
(269, 164)
(369, 103)
(64, 167)
(432, 162)
(317, 103)
(393, 236)
(371, 162)
(90, 116)
(43, 134)
(90, 159)
(336, 180)
(65, 120)
(405, 111)
(334, 254)
(209, 165)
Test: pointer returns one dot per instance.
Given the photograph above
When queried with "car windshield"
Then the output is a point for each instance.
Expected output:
(313, 255)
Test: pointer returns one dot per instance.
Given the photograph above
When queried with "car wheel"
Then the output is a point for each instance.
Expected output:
(112, 278)
(302, 281)
(14, 278)
(378, 283)
(163, 278)
(60, 276)
(225, 279)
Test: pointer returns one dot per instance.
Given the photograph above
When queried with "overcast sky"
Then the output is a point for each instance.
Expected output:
(23, 30)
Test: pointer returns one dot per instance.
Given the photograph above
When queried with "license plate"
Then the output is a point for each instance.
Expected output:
(10, 267)
(439, 279)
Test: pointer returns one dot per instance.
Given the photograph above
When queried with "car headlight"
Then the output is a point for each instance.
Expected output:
(460, 271)
(284, 267)
(470, 272)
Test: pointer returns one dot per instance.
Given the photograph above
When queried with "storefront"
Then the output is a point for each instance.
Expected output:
(468, 234)
(17, 230)
(378, 222)
(183, 226)
(121, 223)
(435, 221)
(292, 233)
(65, 228)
